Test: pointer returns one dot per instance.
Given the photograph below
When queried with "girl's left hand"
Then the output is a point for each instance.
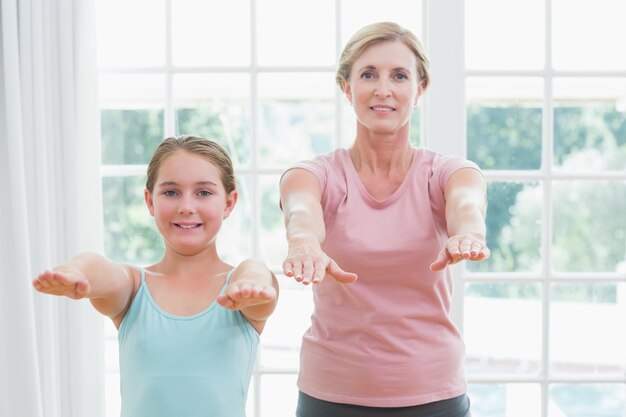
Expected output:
(458, 248)
(243, 293)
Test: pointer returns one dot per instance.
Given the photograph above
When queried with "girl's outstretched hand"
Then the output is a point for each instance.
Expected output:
(460, 248)
(72, 284)
(246, 293)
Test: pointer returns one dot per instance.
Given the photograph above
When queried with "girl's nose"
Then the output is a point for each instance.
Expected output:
(187, 205)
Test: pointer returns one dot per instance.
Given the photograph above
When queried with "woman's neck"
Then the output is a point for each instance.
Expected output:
(381, 155)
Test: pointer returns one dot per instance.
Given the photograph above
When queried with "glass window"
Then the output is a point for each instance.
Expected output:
(205, 35)
(590, 124)
(502, 328)
(588, 38)
(504, 122)
(294, 33)
(505, 35)
(297, 116)
(581, 316)
(119, 48)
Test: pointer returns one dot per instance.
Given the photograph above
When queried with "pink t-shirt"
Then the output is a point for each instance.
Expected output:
(386, 340)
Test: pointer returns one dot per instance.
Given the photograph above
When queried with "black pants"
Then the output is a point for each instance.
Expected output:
(312, 407)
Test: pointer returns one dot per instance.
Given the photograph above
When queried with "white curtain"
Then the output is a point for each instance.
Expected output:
(51, 349)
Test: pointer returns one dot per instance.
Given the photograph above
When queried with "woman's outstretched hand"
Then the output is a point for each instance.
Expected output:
(461, 248)
(72, 284)
(307, 263)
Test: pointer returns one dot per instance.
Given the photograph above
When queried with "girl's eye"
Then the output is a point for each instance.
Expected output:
(204, 193)
(169, 193)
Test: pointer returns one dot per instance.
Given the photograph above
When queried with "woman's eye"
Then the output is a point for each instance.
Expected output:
(367, 75)
(204, 193)
(401, 76)
(169, 193)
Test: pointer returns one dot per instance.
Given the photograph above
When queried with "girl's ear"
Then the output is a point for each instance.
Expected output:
(147, 195)
(231, 200)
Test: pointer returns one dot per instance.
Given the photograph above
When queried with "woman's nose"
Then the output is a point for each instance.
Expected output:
(382, 88)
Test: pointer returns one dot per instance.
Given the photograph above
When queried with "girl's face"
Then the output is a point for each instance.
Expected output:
(189, 202)
(384, 87)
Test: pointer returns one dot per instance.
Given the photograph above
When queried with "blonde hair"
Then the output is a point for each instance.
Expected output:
(206, 148)
(376, 33)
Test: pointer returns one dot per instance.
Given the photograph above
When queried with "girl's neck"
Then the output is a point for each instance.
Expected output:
(182, 265)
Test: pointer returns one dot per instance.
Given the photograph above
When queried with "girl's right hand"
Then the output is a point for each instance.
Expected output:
(72, 284)
(307, 263)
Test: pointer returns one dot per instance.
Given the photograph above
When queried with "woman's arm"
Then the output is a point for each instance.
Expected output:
(253, 289)
(108, 286)
(300, 196)
(466, 206)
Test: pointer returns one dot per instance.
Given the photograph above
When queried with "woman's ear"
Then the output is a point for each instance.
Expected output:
(347, 91)
(147, 195)
(420, 92)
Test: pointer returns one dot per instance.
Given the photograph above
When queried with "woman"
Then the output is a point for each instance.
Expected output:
(395, 217)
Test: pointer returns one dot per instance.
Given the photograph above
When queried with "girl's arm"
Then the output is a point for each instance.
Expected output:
(466, 206)
(108, 286)
(300, 195)
(253, 289)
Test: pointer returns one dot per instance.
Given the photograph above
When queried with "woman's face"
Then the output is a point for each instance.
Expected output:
(384, 87)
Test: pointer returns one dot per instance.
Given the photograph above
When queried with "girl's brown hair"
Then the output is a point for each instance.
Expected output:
(206, 148)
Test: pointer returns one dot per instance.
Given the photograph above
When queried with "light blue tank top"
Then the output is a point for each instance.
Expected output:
(184, 366)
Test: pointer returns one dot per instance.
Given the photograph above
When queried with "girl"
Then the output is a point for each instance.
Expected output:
(188, 325)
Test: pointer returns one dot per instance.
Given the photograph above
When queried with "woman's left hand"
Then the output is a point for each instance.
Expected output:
(458, 248)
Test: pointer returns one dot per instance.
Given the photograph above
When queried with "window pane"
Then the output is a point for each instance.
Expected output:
(297, 118)
(279, 395)
(513, 228)
(504, 122)
(500, 400)
(216, 106)
(502, 328)
(283, 332)
(587, 400)
(357, 13)
(305, 37)
(131, 91)
(499, 34)
(130, 136)
(589, 231)
(119, 47)
(205, 35)
(132, 109)
(587, 37)
(590, 124)
(272, 242)
(130, 235)
(578, 344)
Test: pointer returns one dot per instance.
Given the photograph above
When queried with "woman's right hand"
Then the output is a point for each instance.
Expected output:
(307, 263)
